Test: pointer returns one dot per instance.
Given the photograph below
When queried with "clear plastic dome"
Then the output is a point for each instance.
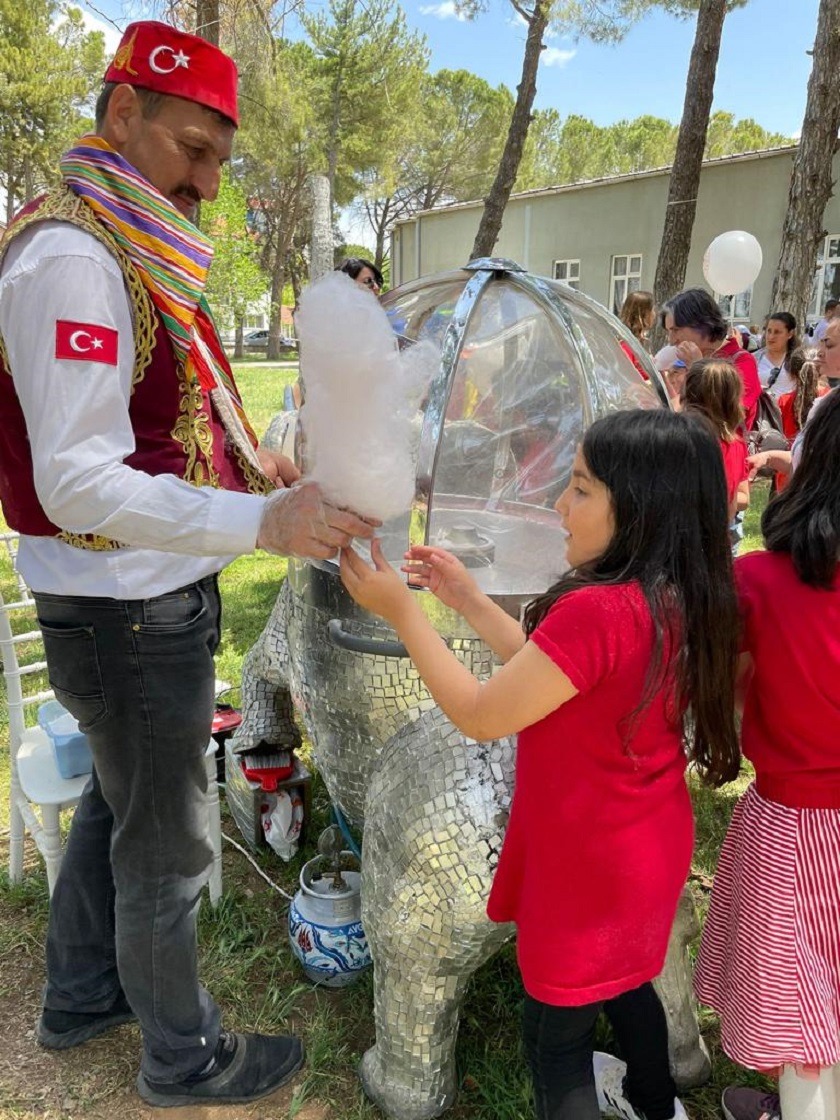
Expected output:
(526, 364)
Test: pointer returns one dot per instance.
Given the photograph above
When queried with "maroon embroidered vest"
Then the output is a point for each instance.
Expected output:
(177, 429)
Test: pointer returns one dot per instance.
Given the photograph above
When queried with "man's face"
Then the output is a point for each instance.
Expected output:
(676, 334)
(181, 150)
(828, 350)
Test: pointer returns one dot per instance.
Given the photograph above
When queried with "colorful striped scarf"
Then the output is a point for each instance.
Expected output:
(171, 255)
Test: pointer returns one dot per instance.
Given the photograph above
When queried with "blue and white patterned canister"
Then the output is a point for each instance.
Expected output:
(325, 924)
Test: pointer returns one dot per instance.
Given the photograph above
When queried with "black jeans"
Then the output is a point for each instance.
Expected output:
(139, 677)
(559, 1045)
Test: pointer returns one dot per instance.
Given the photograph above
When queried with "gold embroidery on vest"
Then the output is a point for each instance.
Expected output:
(258, 483)
(91, 541)
(194, 434)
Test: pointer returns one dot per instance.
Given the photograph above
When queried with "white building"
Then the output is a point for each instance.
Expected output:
(602, 236)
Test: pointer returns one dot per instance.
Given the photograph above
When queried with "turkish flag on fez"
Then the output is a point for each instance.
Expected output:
(85, 342)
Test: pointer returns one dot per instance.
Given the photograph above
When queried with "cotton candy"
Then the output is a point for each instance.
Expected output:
(361, 398)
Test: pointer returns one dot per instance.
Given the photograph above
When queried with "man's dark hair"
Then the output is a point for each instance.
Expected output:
(150, 100)
(829, 303)
(695, 308)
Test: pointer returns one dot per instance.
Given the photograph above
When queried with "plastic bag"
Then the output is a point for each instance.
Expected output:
(281, 814)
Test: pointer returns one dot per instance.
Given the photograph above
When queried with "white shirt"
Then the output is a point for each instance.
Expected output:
(784, 383)
(820, 329)
(79, 431)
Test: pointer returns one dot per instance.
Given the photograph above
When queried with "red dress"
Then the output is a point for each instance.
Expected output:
(735, 468)
(746, 366)
(600, 836)
(785, 403)
(769, 961)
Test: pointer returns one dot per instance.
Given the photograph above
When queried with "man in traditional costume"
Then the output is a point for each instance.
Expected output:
(133, 476)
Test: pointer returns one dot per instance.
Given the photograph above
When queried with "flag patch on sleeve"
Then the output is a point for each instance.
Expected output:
(86, 342)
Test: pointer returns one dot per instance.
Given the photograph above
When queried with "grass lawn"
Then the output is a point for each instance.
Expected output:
(245, 961)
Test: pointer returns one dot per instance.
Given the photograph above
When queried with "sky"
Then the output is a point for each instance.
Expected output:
(762, 72)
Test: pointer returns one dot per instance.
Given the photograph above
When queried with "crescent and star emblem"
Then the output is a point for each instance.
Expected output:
(162, 65)
(83, 341)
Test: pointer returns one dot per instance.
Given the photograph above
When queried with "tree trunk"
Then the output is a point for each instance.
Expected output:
(207, 20)
(239, 338)
(278, 280)
(321, 247)
(688, 158)
(811, 185)
(497, 199)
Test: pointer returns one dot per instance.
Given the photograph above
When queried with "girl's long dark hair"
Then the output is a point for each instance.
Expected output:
(804, 520)
(664, 473)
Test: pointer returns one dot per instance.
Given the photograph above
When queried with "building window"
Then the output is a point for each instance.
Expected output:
(568, 272)
(626, 278)
(736, 308)
(827, 276)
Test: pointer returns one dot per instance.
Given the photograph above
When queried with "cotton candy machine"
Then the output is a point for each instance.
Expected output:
(525, 365)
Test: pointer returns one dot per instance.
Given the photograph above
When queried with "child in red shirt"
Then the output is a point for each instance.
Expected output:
(769, 960)
(714, 389)
(796, 405)
(638, 633)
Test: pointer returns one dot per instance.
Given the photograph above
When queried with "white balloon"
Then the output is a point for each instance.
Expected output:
(732, 262)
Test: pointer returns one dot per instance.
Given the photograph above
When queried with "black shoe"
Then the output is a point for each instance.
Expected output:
(244, 1068)
(61, 1030)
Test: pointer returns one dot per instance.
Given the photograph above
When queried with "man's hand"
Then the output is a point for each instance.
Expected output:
(279, 468)
(689, 352)
(298, 522)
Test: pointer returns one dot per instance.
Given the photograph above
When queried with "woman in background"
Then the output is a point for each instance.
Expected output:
(780, 341)
(637, 313)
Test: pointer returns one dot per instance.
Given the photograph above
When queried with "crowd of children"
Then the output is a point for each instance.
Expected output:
(625, 671)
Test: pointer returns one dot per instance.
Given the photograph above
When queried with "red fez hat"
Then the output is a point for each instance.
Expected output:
(161, 58)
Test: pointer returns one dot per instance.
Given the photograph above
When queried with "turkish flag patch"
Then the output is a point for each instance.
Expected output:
(86, 342)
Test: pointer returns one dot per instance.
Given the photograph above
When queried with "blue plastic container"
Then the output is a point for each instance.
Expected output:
(70, 745)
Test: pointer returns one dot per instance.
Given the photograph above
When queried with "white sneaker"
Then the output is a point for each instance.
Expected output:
(609, 1085)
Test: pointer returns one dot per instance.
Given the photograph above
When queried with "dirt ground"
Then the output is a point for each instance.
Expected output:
(95, 1081)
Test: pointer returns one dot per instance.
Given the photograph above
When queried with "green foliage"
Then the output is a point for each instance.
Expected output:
(49, 70)
(575, 149)
(236, 279)
(448, 150)
(369, 67)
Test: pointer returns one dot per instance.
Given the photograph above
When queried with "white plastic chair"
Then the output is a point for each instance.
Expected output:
(38, 793)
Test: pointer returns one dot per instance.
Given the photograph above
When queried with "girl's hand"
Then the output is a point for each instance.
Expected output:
(756, 463)
(378, 589)
(443, 574)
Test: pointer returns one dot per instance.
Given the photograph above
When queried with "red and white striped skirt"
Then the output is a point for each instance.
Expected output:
(769, 960)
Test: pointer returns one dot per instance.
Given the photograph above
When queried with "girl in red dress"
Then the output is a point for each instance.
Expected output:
(625, 658)
(713, 389)
(769, 960)
(796, 405)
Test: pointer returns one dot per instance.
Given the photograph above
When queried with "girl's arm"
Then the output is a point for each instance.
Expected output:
(528, 688)
(742, 497)
(780, 461)
(448, 580)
